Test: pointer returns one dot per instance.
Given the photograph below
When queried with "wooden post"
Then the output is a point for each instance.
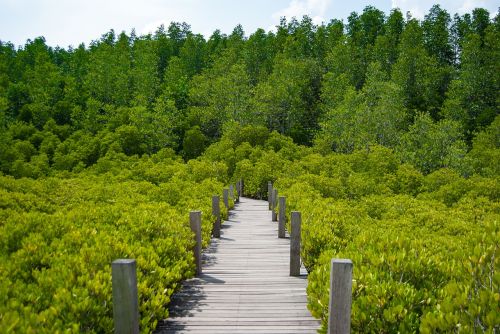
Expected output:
(282, 217)
(231, 191)
(274, 205)
(241, 188)
(195, 223)
(295, 244)
(270, 194)
(216, 213)
(339, 318)
(125, 298)
(225, 198)
(237, 193)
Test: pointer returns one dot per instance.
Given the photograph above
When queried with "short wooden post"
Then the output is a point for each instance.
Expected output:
(195, 223)
(339, 318)
(240, 192)
(225, 197)
(231, 191)
(270, 194)
(125, 298)
(295, 243)
(274, 205)
(216, 213)
(282, 217)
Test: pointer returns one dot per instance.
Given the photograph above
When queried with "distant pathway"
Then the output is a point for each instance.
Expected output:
(245, 286)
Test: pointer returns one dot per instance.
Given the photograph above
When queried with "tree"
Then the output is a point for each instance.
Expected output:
(485, 152)
(176, 83)
(236, 40)
(437, 40)
(326, 37)
(194, 143)
(108, 73)
(372, 25)
(480, 21)
(144, 75)
(472, 99)
(193, 54)
(44, 85)
(157, 127)
(164, 48)
(346, 57)
(178, 33)
(418, 74)
(221, 94)
(429, 145)
(374, 115)
(385, 50)
(287, 100)
(300, 41)
(258, 55)
(216, 44)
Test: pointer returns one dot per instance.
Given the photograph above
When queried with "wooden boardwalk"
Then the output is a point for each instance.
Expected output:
(245, 286)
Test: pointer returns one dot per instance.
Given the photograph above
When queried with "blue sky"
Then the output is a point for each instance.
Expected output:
(70, 22)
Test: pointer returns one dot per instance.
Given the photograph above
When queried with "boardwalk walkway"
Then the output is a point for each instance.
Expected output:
(245, 286)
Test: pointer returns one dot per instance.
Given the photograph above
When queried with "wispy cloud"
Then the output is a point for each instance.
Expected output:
(316, 9)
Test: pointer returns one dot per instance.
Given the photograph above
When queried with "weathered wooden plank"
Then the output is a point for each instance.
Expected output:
(245, 285)
(240, 330)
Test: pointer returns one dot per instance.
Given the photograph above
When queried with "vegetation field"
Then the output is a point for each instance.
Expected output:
(384, 131)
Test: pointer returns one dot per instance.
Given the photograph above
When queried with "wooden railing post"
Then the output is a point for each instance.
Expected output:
(295, 243)
(270, 194)
(240, 191)
(282, 217)
(339, 317)
(225, 197)
(195, 223)
(274, 205)
(231, 192)
(125, 298)
(216, 213)
(237, 191)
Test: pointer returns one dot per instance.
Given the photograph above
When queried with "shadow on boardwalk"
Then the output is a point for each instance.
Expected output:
(245, 286)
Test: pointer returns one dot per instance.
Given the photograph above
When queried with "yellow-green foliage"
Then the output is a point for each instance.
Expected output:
(425, 248)
(60, 234)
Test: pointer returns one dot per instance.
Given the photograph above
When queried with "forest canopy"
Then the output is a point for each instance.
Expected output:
(425, 89)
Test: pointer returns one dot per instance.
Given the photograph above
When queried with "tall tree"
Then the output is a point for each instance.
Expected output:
(164, 49)
(436, 28)
(429, 145)
(473, 96)
(374, 115)
(221, 94)
(288, 99)
(259, 54)
(109, 67)
(385, 50)
(144, 71)
(418, 74)
(215, 45)
(193, 54)
(300, 41)
(176, 83)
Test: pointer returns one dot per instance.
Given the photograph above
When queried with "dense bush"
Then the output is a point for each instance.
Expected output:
(424, 247)
(60, 235)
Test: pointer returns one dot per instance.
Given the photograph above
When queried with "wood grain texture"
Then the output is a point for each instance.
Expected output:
(245, 286)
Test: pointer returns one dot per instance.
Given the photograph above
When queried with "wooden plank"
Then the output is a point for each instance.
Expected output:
(245, 285)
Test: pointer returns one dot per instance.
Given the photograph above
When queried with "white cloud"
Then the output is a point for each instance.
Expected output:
(316, 9)
(470, 5)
